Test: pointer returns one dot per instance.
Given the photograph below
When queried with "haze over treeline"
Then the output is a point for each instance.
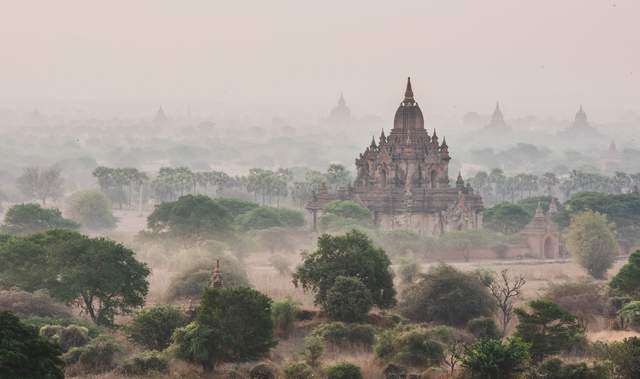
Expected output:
(291, 59)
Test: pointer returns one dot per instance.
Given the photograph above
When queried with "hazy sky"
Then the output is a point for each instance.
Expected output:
(293, 58)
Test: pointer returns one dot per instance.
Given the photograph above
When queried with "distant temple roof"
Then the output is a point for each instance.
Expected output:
(497, 120)
(408, 115)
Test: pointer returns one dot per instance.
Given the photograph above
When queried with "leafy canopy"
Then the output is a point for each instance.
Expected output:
(507, 218)
(352, 254)
(592, 242)
(627, 280)
(91, 209)
(496, 359)
(24, 354)
(32, 218)
(348, 300)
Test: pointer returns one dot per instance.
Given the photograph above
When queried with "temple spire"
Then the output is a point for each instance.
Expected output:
(216, 277)
(408, 94)
(373, 142)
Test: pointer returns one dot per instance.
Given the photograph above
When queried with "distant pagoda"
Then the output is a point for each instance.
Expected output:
(497, 123)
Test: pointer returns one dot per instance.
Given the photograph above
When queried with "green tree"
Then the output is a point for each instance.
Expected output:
(412, 345)
(32, 218)
(627, 280)
(352, 254)
(483, 327)
(41, 184)
(348, 209)
(630, 314)
(348, 300)
(496, 359)
(232, 325)
(313, 349)
(548, 328)
(152, 327)
(506, 218)
(100, 275)
(268, 217)
(24, 354)
(283, 314)
(344, 370)
(91, 209)
(624, 356)
(447, 295)
(190, 218)
(592, 242)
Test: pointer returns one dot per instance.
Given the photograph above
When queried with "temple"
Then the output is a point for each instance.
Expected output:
(497, 123)
(403, 178)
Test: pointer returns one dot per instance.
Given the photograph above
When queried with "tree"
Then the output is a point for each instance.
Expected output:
(348, 300)
(447, 295)
(344, 370)
(352, 254)
(232, 325)
(41, 184)
(483, 327)
(624, 356)
(338, 176)
(101, 276)
(627, 280)
(24, 354)
(190, 218)
(592, 242)
(91, 209)
(283, 314)
(630, 315)
(506, 218)
(32, 218)
(152, 327)
(313, 349)
(548, 328)
(268, 217)
(348, 209)
(506, 290)
(496, 359)
(584, 299)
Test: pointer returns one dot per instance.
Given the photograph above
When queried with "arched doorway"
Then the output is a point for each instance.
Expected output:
(548, 248)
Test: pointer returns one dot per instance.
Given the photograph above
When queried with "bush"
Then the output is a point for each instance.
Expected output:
(39, 322)
(91, 209)
(627, 280)
(408, 270)
(152, 327)
(584, 299)
(624, 356)
(268, 217)
(32, 218)
(192, 282)
(344, 370)
(556, 369)
(283, 314)
(630, 314)
(506, 218)
(348, 209)
(96, 357)
(145, 363)
(346, 335)
(67, 337)
(448, 296)
(496, 359)
(298, 370)
(24, 354)
(354, 255)
(412, 345)
(232, 325)
(263, 371)
(483, 327)
(313, 349)
(591, 240)
(548, 328)
(348, 300)
(26, 304)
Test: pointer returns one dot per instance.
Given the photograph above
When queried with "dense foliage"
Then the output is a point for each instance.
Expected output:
(32, 218)
(447, 295)
(348, 300)
(352, 254)
(344, 370)
(592, 242)
(627, 280)
(91, 209)
(24, 354)
(496, 359)
(506, 218)
(152, 327)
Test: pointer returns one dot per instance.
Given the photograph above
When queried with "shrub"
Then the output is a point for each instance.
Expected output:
(191, 283)
(26, 304)
(348, 209)
(448, 296)
(32, 218)
(91, 209)
(585, 299)
(313, 349)
(556, 369)
(348, 300)
(630, 314)
(346, 335)
(39, 322)
(298, 370)
(413, 345)
(283, 314)
(145, 363)
(152, 327)
(627, 280)
(263, 371)
(268, 217)
(344, 370)
(483, 327)
(548, 328)
(232, 324)
(408, 270)
(496, 359)
(67, 337)
(591, 240)
(24, 354)
(624, 356)
(96, 357)
(354, 255)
